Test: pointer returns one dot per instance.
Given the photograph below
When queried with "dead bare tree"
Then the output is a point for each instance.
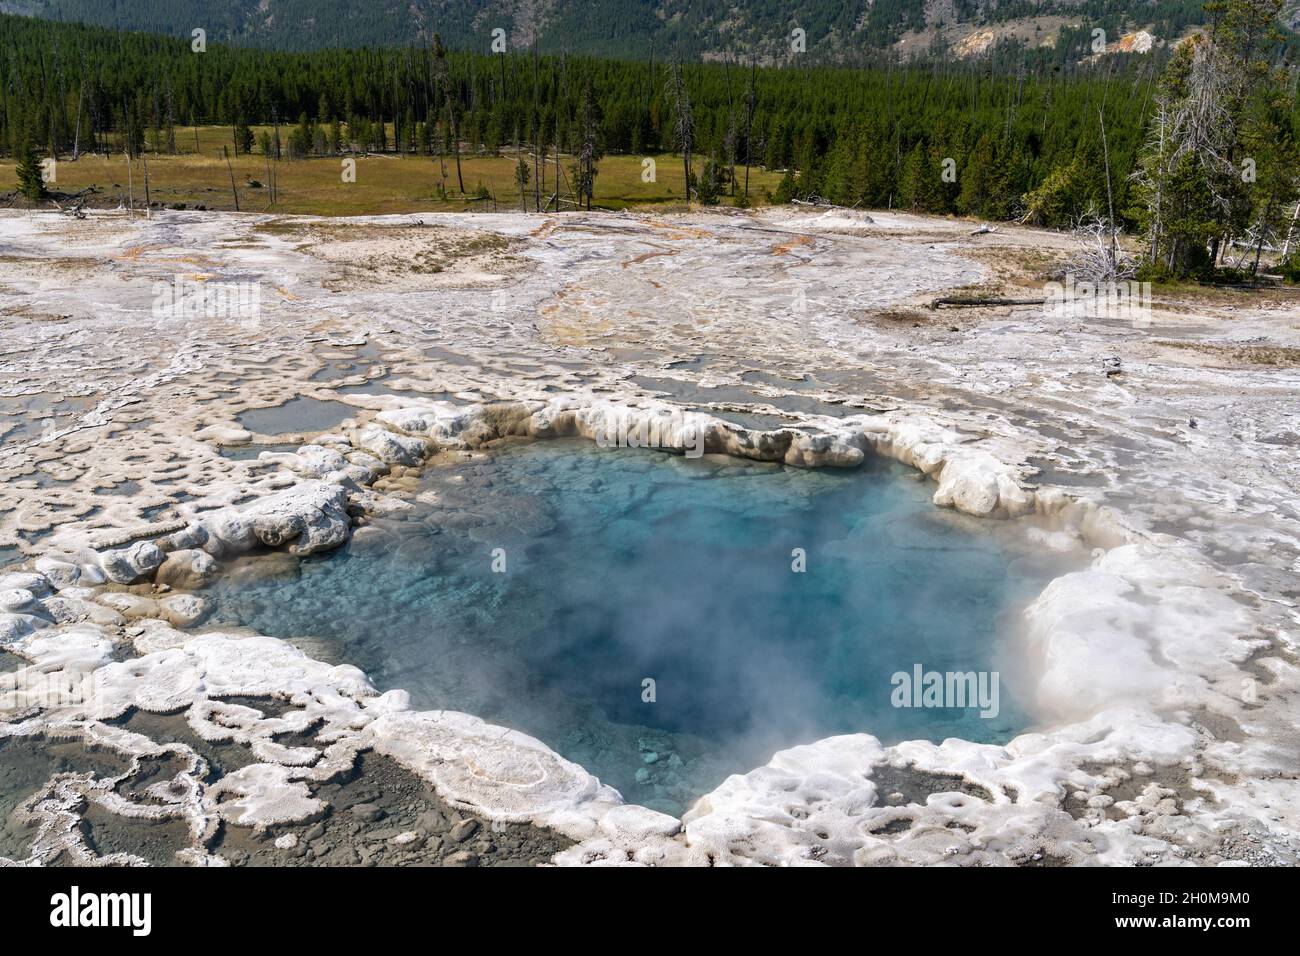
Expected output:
(148, 203)
(1290, 233)
(230, 169)
(751, 99)
(732, 134)
(130, 188)
(1207, 111)
(1098, 256)
(1193, 128)
(683, 121)
(1110, 196)
(539, 166)
(76, 135)
(444, 80)
(589, 150)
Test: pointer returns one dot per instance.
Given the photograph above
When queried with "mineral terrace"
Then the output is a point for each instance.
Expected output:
(131, 732)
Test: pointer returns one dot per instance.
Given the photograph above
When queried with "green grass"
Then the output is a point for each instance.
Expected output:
(384, 183)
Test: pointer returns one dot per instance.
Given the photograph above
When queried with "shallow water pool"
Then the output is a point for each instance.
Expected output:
(547, 582)
(301, 414)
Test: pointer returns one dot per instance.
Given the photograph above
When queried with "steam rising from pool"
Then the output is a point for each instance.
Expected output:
(546, 583)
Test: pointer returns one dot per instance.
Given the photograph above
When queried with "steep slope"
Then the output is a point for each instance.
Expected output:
(694, 29)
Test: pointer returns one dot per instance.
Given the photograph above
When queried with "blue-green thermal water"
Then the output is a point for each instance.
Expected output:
(618, 566)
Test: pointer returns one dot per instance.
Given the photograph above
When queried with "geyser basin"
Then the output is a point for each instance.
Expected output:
(541, 586)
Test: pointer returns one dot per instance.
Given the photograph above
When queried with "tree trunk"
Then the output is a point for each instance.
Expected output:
(76, 136)
(1110, 199)
(1286, 246)
(233, 191)
(539, 166)
(130, 184)
(1160, 187)
(455, 145)
(749, 123)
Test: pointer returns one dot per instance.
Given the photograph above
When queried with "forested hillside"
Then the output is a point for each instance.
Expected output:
(836, 30)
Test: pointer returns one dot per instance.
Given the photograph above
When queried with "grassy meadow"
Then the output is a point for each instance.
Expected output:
(385, 183)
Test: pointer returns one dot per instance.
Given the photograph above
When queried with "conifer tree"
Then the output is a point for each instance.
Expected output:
(30, 181)
(1218, 103)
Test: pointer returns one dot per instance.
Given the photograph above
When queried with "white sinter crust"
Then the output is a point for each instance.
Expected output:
(1126, 650)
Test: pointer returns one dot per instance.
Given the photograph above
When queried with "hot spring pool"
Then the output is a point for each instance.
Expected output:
(623, 565)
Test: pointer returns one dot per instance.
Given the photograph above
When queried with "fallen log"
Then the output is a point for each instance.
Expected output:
(967, 303)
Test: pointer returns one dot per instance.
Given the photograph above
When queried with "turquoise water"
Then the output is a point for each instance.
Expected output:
(625, 565)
